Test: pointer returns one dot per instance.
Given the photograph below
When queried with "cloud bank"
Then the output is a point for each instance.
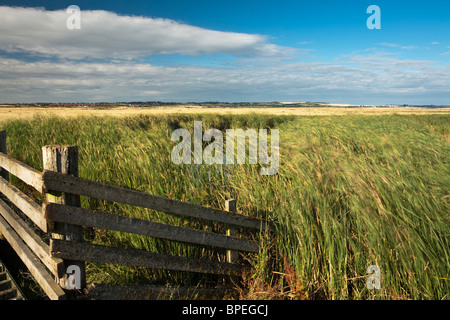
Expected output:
(106, 34)
(362, 78)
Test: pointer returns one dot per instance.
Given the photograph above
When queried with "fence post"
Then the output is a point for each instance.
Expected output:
(64, 159)
(3, 172)
(232, 256)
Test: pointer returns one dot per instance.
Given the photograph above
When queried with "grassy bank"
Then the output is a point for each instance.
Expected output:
(351, 191)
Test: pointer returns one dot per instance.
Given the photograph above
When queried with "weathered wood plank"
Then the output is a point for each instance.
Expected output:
(22, 171)
(34, 242)
(151, 292)
(24, 203)
(66, 183)
(133, 257)
(3, 149)
(37, 269)
(102, 220)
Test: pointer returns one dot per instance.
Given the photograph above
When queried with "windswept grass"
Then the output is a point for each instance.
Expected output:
(351, 191)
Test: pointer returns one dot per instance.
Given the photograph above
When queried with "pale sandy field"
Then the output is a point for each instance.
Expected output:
(9, 113)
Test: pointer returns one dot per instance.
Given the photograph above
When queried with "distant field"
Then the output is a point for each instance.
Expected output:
(370, 188)
(8, 113)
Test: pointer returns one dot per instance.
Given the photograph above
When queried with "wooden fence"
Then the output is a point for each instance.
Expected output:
(62, 218)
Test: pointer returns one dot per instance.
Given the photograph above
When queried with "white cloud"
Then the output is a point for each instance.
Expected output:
(397, 45)
(109, 35)
(388, 44)
(360, 79)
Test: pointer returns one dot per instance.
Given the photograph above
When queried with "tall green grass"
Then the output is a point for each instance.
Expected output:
(351, 191)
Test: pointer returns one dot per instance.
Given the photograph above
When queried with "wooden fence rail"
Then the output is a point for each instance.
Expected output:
(96, 219)
(33, 264)
(24, 203)
(138, 258)
(37, 245)
(62, 218)
(74, 185)
(31, 249)
(22, 171)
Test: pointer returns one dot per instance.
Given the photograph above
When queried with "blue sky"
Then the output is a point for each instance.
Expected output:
(226, 51)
